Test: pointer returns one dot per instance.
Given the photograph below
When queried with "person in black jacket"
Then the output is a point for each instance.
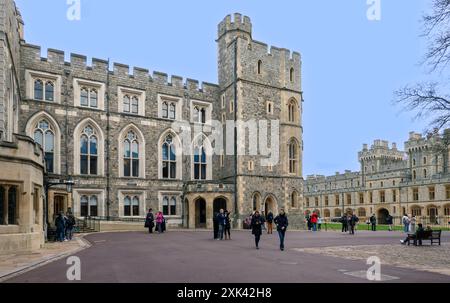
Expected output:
(270, 223)
(352, 223)
(227, 225)
(257, 223)
(60, 224)
(373, 222)
(344, 222)
(282, 224)
(150, 221)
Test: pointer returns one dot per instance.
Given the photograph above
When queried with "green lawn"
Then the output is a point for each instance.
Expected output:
(363, 226)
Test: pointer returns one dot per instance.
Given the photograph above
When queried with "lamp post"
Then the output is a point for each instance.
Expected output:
(47, 185)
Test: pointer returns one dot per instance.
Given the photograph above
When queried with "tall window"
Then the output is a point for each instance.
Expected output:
(291, 75)
(259, 67)
(131, 206)
(88, 152)
(169, 110)
(199, 114)
(169, 159)
(394, 195)
(134, 105)
(45, 136)
(292, 111)
(131, 155)
(169, 206)
(200, 163)
(44, 90)
(425, 173)
(293, 157)
(432, 193)
(447, 192)
(382, 196)
(361, 198)
(415, 194)
(130, 104)
(294, 199)
(89, 206)
(126, 104)
(89, 97)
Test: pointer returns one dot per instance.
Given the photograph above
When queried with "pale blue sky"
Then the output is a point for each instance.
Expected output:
(351, 65)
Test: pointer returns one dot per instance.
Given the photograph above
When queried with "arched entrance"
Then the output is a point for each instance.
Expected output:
(200, 213)
(383, 214)
(219, 203)
(432, 214)
(270, 205)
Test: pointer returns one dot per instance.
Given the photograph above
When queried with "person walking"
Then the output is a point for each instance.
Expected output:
(159, 222)
(308, 221)
(344, 222)
(70, 223)
(257, 223)
(412, 225)
(319, 223)
(390, 222)
(373, 222)
(150, 221)
(227, 225)
(221, 218)
(352, 223)
(405, 222)
(314, 219)
(282, 224)
(270, 223)
(60, 224)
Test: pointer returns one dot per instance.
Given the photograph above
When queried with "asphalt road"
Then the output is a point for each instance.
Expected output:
(193, 257)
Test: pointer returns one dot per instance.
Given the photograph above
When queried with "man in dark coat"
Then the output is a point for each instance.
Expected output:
(222, 220)
(373, 222)
(390, 221)
(270, 223)
(256, 225)
(60, 224)
(352, 223)
(150, 221)
(70, 223)
(282, 224)
(344, 222)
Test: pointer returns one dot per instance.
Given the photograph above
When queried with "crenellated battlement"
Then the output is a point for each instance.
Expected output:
(77, 61)
(239, 23)
(381, 149)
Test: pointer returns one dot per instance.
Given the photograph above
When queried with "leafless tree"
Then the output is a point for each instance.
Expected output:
(428, 99)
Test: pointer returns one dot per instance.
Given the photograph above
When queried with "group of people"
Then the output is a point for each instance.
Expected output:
(222, 225)
(159, 220)
(349, 223)
(258, 221)
(409, 223)
(65, 224)
(314, 222)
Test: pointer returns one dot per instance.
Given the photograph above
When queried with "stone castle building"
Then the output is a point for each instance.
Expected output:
(414, 182)
(111, 131)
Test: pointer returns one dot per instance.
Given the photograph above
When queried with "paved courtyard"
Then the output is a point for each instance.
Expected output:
(192, 257)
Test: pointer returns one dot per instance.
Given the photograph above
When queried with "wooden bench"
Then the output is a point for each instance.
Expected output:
(433, 236)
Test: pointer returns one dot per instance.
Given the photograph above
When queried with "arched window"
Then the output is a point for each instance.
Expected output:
(259, 67)
(165, 110)
(292, 111)
(416, 211)
(126, 104)
(294, 197)
(165, 206)
(169, 159)
(94, 98)
(38, 89)
(84, 97)
(131, 155)
(45, 136)
(256, 201)
(425, 160)
(291, 75)
(89, 97)
(134, 105)
(172, 111)
(93, 206)
(169, 205)
(49, 91)
(88, 152)
(89, 206)
(131, 206)
(200, 163)
(414, 162)
(293, 157)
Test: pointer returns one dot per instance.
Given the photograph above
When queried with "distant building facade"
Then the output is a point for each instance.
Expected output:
(112, 132)
(390, 182)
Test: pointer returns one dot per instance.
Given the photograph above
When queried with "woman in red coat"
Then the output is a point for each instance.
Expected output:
(314, 219)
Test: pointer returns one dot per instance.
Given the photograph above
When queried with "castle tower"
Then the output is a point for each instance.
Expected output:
(259, 83)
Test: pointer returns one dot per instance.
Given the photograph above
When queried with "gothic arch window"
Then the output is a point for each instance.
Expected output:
(135, 105)
(44, 90)
(172, 111)
(292, 111)
(45, 131)
(169, 206)
(89, 152)
(414, 175)
(38, 89)
(425, 173)
(44, 135)
(165, 110)
(126, 104)
(131, 153)
(256, 201)
(199, 114)
(88, 149)
(293, 153)
(169, 158)
(89, 206)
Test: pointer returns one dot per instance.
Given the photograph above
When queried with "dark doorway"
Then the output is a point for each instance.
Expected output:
(200, 213)
(383, 214)
(219, 203)
(58, 205)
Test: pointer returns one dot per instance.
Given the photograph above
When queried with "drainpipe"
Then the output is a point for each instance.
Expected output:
(235, 128)
(108, 158)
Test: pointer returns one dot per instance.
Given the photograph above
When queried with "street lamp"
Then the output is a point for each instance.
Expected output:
(47, 185)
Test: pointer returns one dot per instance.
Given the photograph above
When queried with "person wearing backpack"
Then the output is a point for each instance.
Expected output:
(270, 223)
(70, 223)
